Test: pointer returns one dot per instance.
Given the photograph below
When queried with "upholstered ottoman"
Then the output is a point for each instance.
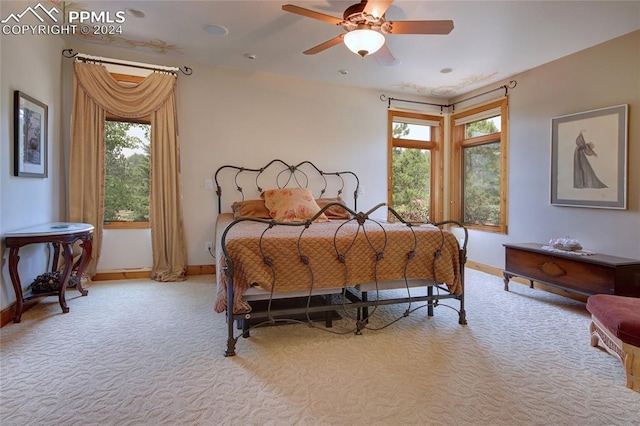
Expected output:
(615, 322)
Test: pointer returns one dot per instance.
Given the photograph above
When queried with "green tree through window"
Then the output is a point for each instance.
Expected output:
(400, 130)
(128, 164)
(411, 156)
(411, 183)
(479, 166)
(481, 175)
(482, 184)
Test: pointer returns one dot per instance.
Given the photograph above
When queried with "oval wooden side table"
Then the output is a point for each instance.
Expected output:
(62, 235)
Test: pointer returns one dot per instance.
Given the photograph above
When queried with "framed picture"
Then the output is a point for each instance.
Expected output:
(589, 159)
(30, 140)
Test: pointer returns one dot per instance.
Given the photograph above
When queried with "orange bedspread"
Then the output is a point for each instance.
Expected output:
(322, 246)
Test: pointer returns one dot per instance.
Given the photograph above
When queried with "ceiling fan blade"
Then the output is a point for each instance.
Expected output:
(311, 14)
(421, 27)
(384, 57)
(323, 46)
(377, 8)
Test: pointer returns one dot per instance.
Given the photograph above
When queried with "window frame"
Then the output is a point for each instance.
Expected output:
(135, 79)
(435, 146)
(459, 142)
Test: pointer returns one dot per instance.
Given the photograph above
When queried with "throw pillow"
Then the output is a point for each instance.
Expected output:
(250, 208)
(292, 205)
(334, 212)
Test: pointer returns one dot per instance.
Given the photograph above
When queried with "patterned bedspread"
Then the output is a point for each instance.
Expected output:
(331, 254)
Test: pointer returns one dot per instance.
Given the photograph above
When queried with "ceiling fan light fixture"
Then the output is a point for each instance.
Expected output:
(363, 41)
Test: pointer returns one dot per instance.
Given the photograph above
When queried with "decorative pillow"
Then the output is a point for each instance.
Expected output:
(250, 208)
(334, 212)
(292, 205)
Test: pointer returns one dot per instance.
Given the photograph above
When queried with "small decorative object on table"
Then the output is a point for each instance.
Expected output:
(50, 282)
(566, 243)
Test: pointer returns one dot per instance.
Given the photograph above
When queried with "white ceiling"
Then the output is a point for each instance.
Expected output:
(491, 40)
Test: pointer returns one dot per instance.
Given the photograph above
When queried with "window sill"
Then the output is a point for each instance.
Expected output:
(487, 228)
(127, 225)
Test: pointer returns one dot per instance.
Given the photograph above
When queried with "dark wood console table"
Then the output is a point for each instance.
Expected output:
(583, 274)
(60, 235)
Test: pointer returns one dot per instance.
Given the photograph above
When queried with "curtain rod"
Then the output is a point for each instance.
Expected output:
(506, 87)
(383, 98)
(69, 53)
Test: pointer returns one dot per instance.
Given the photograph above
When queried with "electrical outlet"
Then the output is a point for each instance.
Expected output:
(208, 246)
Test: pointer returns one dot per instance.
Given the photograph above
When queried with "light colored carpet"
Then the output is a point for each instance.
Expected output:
(140, 352)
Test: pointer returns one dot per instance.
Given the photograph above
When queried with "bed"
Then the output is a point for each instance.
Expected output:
(290, 248)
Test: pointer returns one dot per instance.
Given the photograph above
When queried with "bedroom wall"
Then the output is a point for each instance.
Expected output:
(30, 64)
(243, 118)
(602, 76)
(231, 117)
(249, 119)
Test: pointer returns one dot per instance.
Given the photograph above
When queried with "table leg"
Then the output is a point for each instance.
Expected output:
(85, 257)
(15, 280)
(507, 277)
(66, 273)
(56, 257)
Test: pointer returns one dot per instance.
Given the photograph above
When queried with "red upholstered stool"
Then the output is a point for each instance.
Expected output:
(615, 322)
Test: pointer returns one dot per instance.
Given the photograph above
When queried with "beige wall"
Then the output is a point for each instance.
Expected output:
(248, 119)
(30, 64)
(602, 76)
(230, 117)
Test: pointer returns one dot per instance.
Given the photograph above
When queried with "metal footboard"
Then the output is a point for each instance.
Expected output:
(356, 303)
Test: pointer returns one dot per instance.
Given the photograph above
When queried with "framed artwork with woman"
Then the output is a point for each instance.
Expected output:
(589, 159)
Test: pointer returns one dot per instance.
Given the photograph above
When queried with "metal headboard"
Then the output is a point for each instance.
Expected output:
(299, 175)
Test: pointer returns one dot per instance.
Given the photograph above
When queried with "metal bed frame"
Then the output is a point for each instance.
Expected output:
(341, 297)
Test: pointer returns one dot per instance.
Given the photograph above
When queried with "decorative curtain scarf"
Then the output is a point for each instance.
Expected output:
(95, 93)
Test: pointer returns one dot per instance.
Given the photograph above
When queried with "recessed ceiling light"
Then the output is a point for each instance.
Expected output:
(215, 29)
(446, 70)
(344, 72)
(134, 12)
(250, 56)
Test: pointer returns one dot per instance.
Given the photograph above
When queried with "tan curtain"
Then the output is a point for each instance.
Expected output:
(96, 92)
(86, 168)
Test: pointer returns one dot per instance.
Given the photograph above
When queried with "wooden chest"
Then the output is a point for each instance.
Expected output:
(590, 274)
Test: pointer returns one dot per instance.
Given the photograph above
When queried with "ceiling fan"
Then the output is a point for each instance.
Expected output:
(366, 27)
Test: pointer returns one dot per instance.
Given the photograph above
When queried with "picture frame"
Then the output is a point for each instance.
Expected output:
(31, 124)
(589, 159)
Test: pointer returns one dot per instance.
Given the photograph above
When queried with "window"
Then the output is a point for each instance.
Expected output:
(127, 169)
(415, 165)
(479, 192)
